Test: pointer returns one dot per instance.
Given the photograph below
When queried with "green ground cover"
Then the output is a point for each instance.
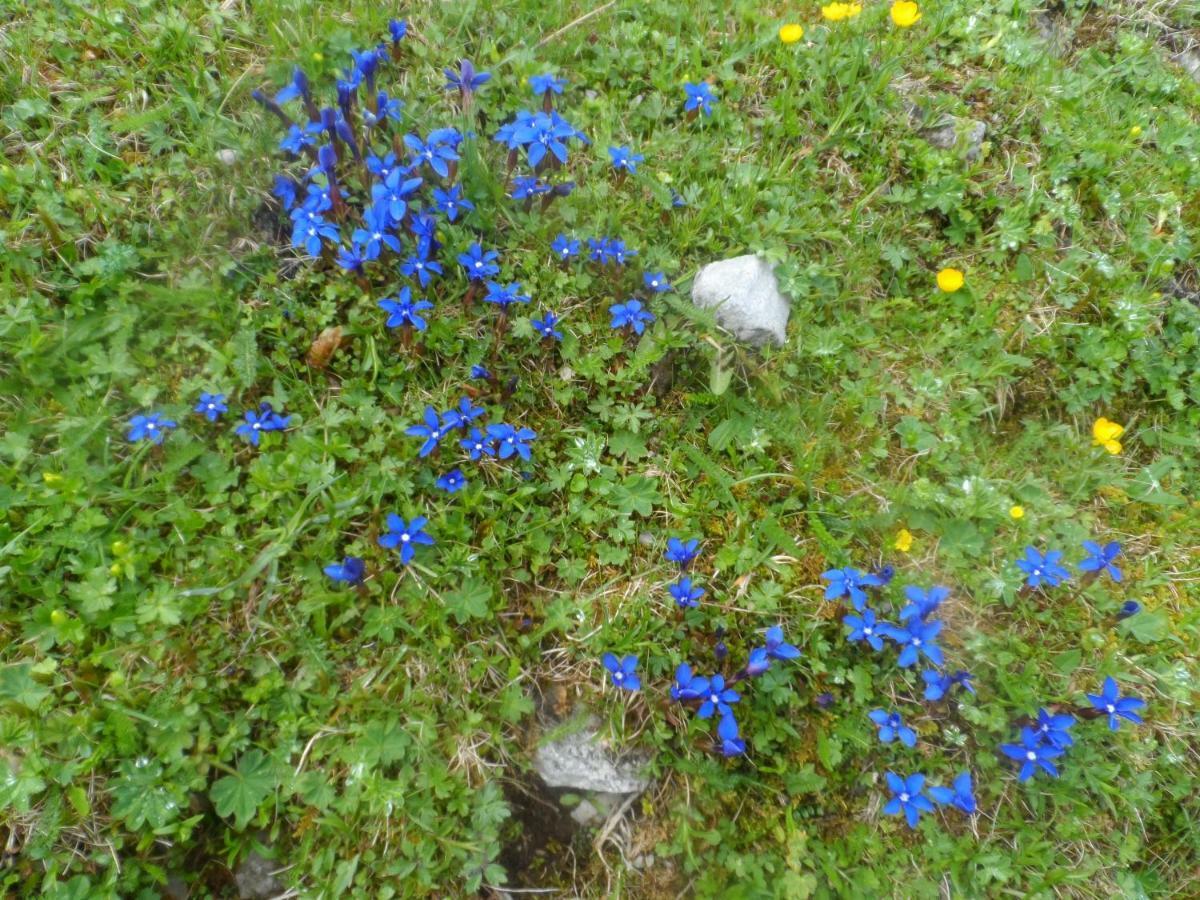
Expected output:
(181, 685)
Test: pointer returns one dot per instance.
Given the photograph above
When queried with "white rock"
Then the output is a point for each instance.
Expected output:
(227, 157)
(744, 294)
(582, 761)
(955, 131)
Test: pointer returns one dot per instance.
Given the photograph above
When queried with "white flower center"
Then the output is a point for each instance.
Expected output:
(256, 426)
(916, 642)
(1111, 708)
(212, 406)
(150, 426)
(1031, 756)
(904, 797)
(618, 676)
(868, 631)
(404, 538)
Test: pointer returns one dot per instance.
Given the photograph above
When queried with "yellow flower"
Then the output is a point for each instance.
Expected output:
(905, 13)
(1105, 434)
(789, 34)
(318, 56)
(904, 540)
(51, 477)
(1017, 512)
(950, 280)
(1135, 130)
(114, 569)
(836, 12)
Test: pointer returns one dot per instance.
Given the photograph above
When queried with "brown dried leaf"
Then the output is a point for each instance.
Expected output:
(324, 346)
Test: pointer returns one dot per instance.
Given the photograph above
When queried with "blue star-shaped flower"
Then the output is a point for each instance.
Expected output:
(727, 735)
(718, 698)
(688, 686)
(916, 639)
(864, 627)
(922, 603)
(478, 263)
(960, 796)
(405, 535)
(907, 798)
(892, 727)
(1042, 569)
(1100, 559)
(699, 96)
(452, 482)
(624, 160)
(630, 314)
(1032, 754)
(1053, 729)
(404, 311)
(656, 282)
(849, 582)
(151, 427)
(349, 571)
(211, 406)
(564, 248)
(681, 552)
(545, 326)
(431, 430)
(623, 673)
(1116, 707)
(686, 595)
(546, 83)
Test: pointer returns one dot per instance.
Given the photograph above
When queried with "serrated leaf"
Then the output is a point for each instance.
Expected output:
(470, 600)
(240, 793)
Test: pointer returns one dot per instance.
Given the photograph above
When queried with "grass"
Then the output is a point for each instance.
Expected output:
(179, 684)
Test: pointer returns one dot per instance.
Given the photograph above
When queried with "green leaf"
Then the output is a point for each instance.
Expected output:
(470, 600)
(17, 686)
(1148, 626)
(240, 794)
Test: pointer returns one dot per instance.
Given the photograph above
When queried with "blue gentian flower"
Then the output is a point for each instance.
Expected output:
(309, 234)
(885, 574)
(421, 269)
(253, 426)
(431, 431)
(685, 594)
(938, 684)
(478, 444)
(478, 263)
(718, 698)
(388, 108)
(271, 420)
(350, 570)
(824, 700)
(352, 258)
(849, 582)
(397, 28)
(720, 650)
(623, 160)
(404, 311)
(546, 84)
(656, 282)
(297, 87)
(1053, 729)
(391, 193)
(1109, 702)
(284, 189)
(423, 227)
(688, 686)
(727, 732)
(922, 603)
(466, 80)
(546, 326)
(907, 798)
(375, 233)
(624, 672)
(510, 440)
(618, 252)
(541, 133)
(1100, 559)
(564, 248)
(1129, 608)
(1032, 754)
(758, 662)
(481, 372)
(598, 249)
(630, 314)
(777, 648)
(365, 63)
(961, 795)
(405, 535)
(452, 202)
(891, 727)
(211, 406)
(464, 414)
(452, 482)
(680, 551)
(381, 168)
(865, 628)
(524, 187)
(149, 427)
(1042, 569)
(677, 201)
(917, 639)
(504, 296)
(699, 96)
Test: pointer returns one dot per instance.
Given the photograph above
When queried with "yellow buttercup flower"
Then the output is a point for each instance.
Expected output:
(1017, 512)
(837, 12)
(904, 540)
(950, 280)
(789, 34)
(1105, 434)
(1135, 130)
(905, 13)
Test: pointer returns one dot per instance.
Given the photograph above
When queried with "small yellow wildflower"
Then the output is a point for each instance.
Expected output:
(904, 540)
(789, 34)
(905, 13)
(950, 280)
(1135, 130)
(114, 569)
(318, 56)
(51, 477)
(837, 12)
(1105, 434)
(1017, 512)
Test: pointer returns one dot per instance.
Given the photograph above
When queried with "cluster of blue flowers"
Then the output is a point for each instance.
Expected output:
(915, 634)
(712, 696)
(154, 427)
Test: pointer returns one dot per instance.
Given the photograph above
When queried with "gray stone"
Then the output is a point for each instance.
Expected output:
(583, 761)
(956, 131)
(1055, 32)
(744, 294)
(256, 879)
(1190, 60)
